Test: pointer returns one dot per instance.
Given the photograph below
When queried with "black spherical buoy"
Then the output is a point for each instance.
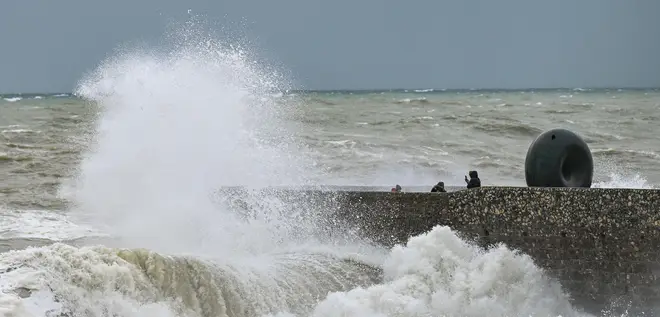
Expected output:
(559, 158)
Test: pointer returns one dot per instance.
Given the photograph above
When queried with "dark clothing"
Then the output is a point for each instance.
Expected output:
(438, 189)
(473, 182)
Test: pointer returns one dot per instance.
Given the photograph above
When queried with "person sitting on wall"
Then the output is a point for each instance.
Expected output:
(396, 189)
(439, 188)
(474, 180)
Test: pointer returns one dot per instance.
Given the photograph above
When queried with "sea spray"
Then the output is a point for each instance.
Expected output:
(177, 124)
(439, 274)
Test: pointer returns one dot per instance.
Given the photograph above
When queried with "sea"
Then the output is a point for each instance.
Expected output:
(109, 202)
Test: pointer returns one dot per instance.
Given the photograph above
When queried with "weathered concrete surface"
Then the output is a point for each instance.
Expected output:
(602, 244)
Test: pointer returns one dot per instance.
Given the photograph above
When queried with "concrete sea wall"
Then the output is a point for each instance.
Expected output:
(602, 244)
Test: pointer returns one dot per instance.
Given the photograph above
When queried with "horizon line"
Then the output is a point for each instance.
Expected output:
(407, 89)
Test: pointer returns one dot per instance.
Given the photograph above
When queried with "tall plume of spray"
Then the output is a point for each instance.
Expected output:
(176, 124)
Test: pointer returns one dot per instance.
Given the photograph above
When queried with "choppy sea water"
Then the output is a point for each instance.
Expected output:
(414, 137)
(113, 189)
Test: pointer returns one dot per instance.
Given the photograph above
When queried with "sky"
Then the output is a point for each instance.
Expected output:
(47, 46)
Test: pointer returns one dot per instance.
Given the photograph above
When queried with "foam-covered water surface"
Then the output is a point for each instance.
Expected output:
(438, 274)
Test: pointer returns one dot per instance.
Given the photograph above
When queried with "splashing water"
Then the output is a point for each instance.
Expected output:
(438, 274)
(619, 176)
(624, 181)
(435, 274)
(176, 125)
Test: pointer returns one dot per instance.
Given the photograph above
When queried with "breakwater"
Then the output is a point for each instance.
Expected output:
(602, 244)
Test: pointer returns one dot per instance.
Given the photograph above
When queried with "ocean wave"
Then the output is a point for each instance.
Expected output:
(378, 123)
(41, 224)
(97, 281)
(583, 105)
(22, 146)
(628, 153)
(616, 180)
(323, 101)
(452, 102)
(420, 100)
(487, 162)
(17, 131)
(560, 111)
(604, 136)
(508, 128)
(6, 157)
(434, 274)
(439, 274)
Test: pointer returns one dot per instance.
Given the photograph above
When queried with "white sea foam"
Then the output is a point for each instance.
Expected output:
(41, 224)
(177, 124)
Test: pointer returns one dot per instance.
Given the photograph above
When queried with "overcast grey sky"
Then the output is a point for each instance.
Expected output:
(46, 45)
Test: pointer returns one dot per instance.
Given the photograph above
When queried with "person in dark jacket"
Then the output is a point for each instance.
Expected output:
(474, 180)
(439, 188)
